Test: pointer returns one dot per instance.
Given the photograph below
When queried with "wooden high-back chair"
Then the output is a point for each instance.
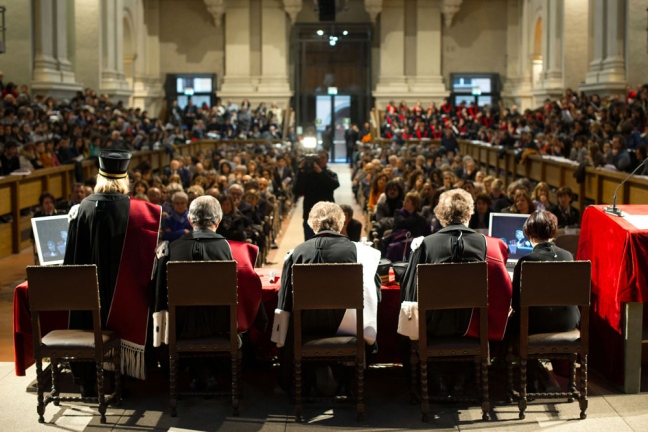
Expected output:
(74, 288)
(452, 286)
(328, 286)
(554, 283)
(203, 283)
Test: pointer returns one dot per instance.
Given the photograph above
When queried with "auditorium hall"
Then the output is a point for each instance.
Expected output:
(260, 215)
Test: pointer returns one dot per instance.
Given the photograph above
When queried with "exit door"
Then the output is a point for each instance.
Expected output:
(333, 111)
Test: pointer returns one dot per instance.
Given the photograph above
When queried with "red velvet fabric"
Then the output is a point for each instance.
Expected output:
(619, 254)
(22, 328)
(500, 292)
(129, 311)
(249, 283)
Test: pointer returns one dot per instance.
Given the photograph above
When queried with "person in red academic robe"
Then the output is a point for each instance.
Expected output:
(119, 235)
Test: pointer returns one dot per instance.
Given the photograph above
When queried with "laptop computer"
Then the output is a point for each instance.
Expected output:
(50, 236)
(509, 228)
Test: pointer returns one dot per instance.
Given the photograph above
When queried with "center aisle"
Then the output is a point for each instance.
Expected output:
(294, 232)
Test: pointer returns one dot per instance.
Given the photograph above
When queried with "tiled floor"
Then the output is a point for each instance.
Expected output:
(266, 408)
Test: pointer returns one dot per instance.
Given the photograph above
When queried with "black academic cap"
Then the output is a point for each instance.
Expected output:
(113, 164)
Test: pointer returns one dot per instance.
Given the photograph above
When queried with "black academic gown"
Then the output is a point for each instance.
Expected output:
(199, 321)
(454, 243)
(545, 319)
(96, 236)
(325, 247)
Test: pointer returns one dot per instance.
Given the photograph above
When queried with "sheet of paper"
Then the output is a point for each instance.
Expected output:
(639, 221)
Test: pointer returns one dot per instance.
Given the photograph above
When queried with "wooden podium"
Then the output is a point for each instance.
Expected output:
(618, 250)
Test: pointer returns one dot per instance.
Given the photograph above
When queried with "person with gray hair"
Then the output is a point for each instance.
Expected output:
(201, 244)
(328, 245)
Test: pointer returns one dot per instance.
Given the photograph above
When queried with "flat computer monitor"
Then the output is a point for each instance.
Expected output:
(508, 228)
(50, 236)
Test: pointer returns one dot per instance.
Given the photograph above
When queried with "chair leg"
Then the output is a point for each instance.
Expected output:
(477, 365)
(583, 385)
(173, 391)
(414, 398)
(55, 380)
(100, 391)
(522, 400)
(484, 385)
(39, 388)
(118, 377)
(509, 375)
(425, 404)
(360, 407)
(571, 389)
(298, 390)
(235, 385)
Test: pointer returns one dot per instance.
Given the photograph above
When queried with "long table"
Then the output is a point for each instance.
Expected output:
(388, 339)
(619, 254)
(388, 309)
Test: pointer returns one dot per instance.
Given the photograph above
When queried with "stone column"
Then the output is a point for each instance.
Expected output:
(45, 64)
(597, 33)
(517, 86)
(428, 82)
(148, 90)
(274, 53)
(613, 65)
(237, 82)
(391, 82)
(52, 73)
(606, 74)
(113, 80)
(552, 46)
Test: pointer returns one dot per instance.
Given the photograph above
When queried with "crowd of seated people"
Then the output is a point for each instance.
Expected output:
(42, 132)
(254, 181)
(610, 132)
(383, 177)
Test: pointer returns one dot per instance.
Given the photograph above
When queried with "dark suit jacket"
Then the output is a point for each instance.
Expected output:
(544, 319)
(354, 230)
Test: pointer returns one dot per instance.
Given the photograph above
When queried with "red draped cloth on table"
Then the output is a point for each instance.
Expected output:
(619, 254)
(249, 300)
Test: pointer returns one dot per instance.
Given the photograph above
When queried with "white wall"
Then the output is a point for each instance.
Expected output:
(636, 45)
(189, 40)
(17, 61)
(476, 41)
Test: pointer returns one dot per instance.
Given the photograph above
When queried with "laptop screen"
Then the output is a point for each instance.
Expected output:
(50, 236)
(508, 228)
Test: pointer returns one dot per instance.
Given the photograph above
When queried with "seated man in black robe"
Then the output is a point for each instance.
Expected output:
(202, 244)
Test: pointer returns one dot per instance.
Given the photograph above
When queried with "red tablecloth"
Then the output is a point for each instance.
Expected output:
(22, 328)
(388, 310)
(619, 255)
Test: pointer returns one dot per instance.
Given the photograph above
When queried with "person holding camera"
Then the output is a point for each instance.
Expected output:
(315, 182)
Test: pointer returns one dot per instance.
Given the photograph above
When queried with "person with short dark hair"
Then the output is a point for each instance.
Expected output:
(481, 218)
(541, 228)
(352, 228)
(621, 157)
(9, 160)
(315, 185)
(568, 216)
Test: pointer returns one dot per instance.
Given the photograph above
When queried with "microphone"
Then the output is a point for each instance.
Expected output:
(613, 209)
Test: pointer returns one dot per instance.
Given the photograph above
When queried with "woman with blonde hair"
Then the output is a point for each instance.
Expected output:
(540, 196)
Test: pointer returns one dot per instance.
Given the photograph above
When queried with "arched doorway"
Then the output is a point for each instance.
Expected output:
(536, 55)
